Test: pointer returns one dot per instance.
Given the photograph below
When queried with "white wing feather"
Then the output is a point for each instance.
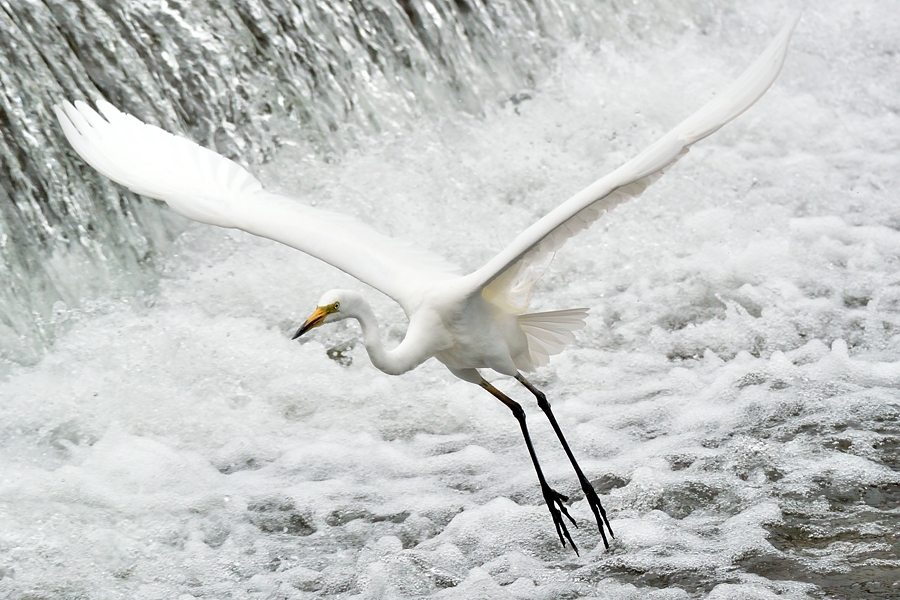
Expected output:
(631, 179)
(207, 187)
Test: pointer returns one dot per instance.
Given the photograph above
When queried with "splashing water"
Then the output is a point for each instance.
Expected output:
(733, 398)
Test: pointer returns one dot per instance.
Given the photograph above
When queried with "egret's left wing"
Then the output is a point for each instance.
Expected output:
(631, 179)
(207, 187)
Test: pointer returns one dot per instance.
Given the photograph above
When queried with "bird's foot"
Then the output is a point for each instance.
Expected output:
(558, 510)
(599, 514)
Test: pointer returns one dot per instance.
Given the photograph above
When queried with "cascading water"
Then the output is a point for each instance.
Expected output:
(223, 72)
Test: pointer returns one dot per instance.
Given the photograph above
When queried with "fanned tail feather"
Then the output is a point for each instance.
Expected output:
(548, 333)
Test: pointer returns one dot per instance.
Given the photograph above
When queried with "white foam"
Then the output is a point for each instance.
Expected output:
(738, 371)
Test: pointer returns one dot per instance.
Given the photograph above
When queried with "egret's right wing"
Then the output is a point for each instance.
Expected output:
(631, 179)
(207, 187)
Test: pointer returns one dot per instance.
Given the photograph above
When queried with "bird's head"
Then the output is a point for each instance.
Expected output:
(333, 306)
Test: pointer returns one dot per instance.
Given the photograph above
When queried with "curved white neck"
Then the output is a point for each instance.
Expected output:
(401, 359)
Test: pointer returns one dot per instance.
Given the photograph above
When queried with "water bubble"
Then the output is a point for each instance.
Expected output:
(60, 312)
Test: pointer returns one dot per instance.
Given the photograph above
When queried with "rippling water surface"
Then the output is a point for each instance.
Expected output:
(734, 396)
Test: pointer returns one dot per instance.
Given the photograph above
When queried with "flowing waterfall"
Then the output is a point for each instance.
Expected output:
(228, 74)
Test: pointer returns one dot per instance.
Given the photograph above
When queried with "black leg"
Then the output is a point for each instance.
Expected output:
(553, 498)
(589, 493)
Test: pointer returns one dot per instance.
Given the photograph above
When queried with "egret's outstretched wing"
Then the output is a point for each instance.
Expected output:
(207, 187)
(631, 179)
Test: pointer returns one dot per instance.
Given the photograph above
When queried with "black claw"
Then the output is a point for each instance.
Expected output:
(557, 509)
(599, 514)
(565, 511)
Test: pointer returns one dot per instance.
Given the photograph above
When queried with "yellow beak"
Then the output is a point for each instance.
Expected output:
(314, 320)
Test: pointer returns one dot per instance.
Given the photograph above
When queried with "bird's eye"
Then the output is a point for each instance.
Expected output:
(337, 305)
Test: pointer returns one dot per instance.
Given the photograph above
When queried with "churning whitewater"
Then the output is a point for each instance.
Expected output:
(733, 396)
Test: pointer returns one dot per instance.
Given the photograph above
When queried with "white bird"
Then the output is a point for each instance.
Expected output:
(468, 322)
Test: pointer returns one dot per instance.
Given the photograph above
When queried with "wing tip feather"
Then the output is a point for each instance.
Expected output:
(550, 232)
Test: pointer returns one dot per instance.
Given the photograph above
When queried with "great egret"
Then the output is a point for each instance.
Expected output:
(468, 322)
